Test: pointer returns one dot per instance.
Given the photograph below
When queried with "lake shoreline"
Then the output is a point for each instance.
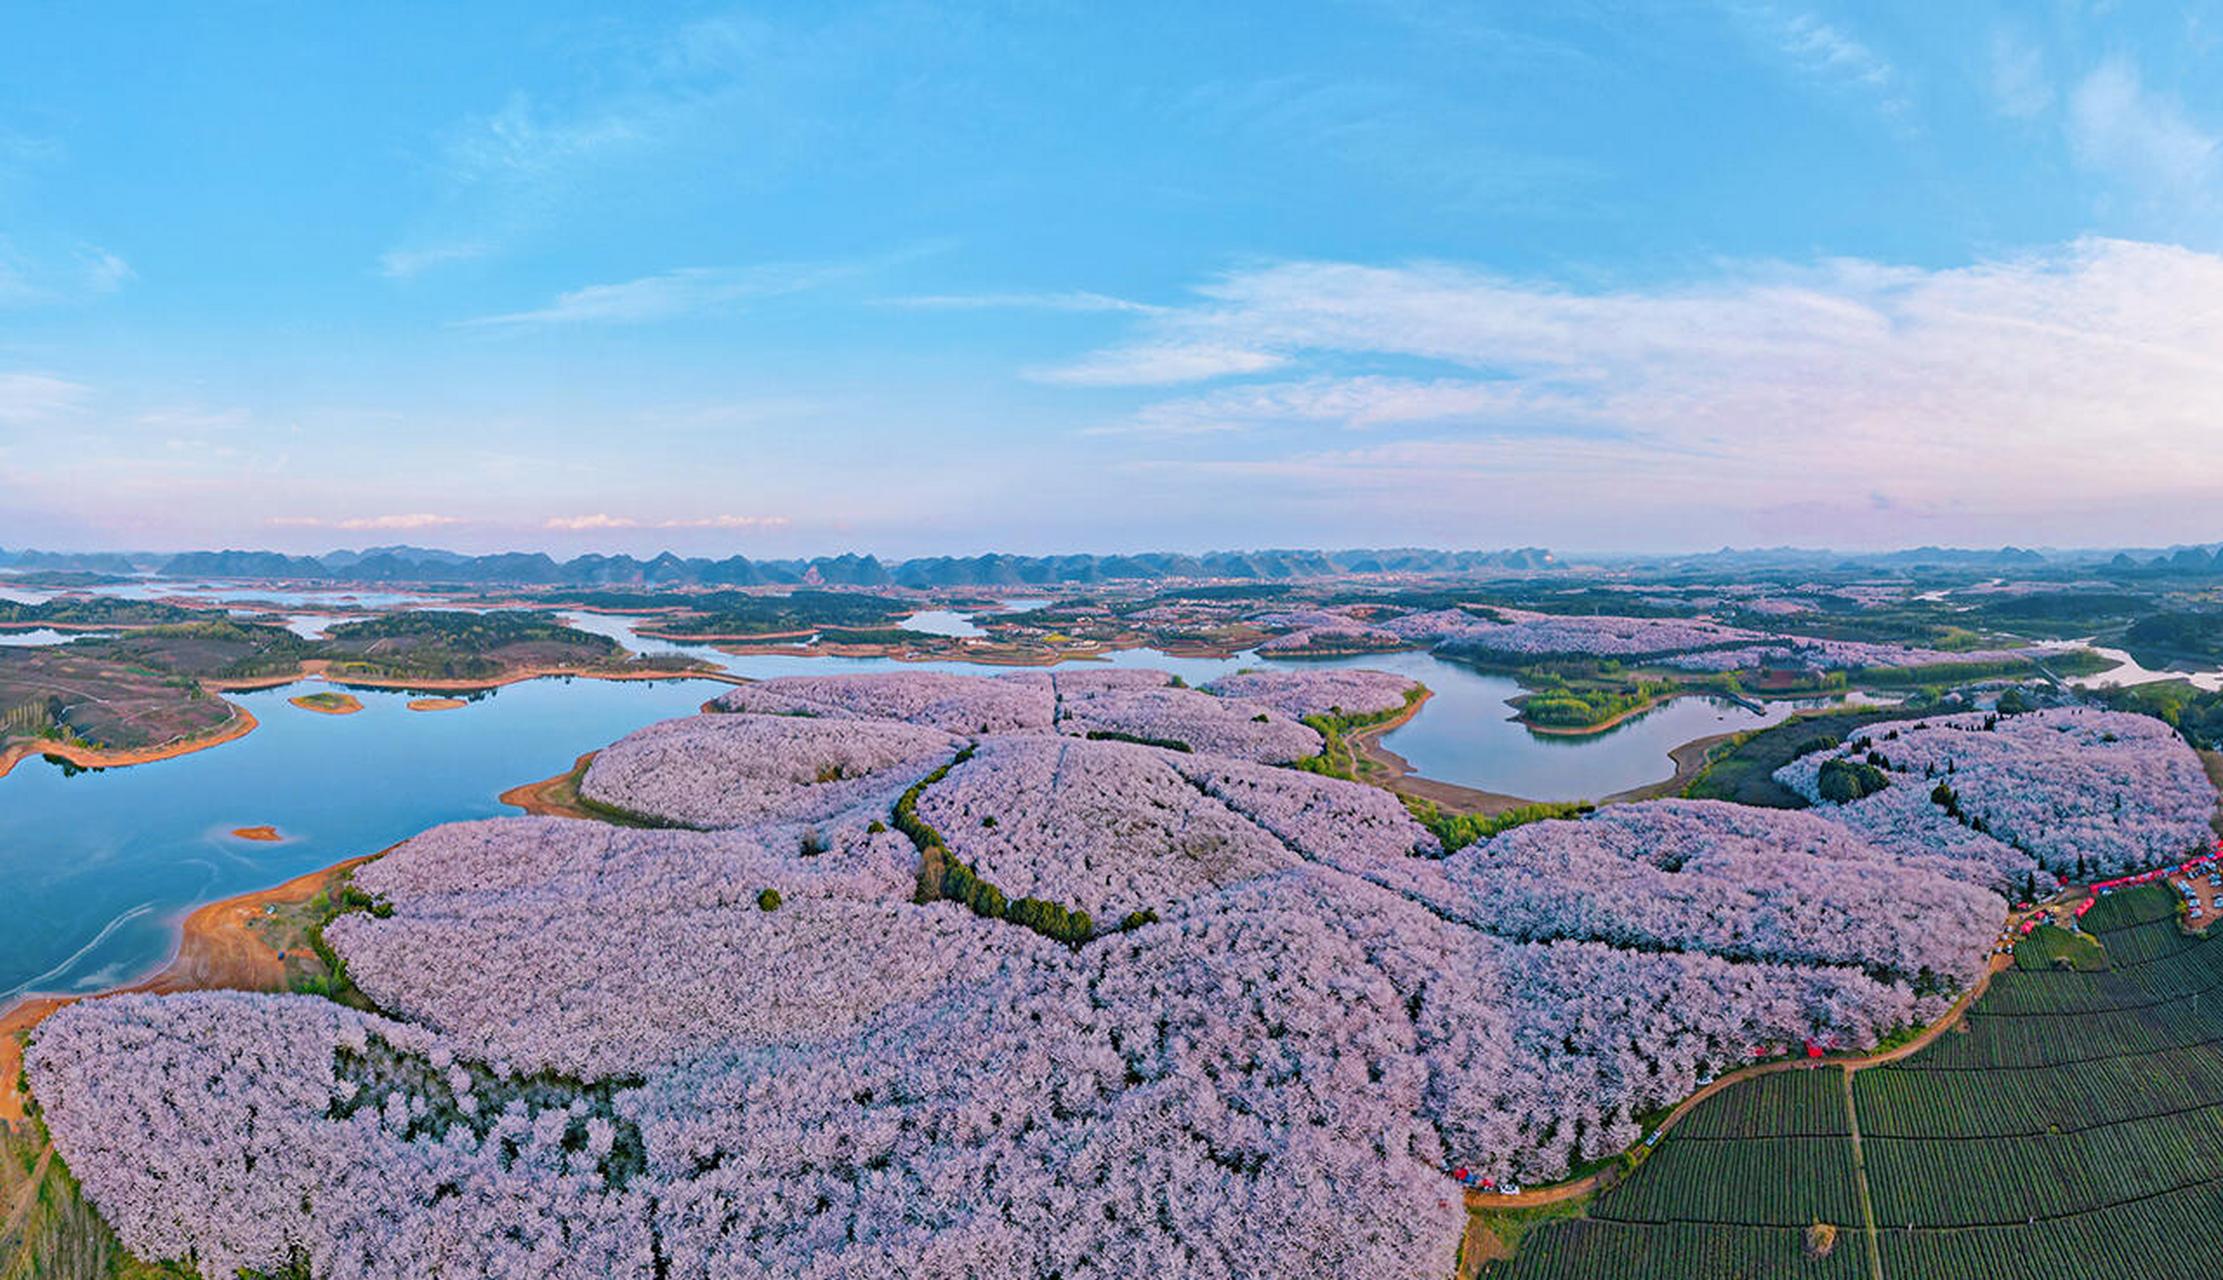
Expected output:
(1395, 772)
(215, 951)
(1614, 721)
(556, 797)
(393, 684)
(243, 721)
(241, 724)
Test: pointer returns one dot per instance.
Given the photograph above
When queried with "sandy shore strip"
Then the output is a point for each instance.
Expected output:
(556, 797)
(1690, 761)
(216, 951)
(1396, 773)
(240, 725)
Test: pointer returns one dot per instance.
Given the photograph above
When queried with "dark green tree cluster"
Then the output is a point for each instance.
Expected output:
(1844, 781)
(1458, 830)
(1336, 759)
(942, 874)
(960, 883)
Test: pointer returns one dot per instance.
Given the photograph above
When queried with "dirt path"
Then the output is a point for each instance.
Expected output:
(1860, 1179)
(217, 951)
(1584, 1186)
(30, 1196)
(240, 725)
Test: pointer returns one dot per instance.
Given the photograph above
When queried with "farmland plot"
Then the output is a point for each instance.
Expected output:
(2074, 1129)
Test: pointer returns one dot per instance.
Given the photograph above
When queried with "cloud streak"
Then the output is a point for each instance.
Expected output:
(392, 523)
(602, 521)
(2091, 372)
(1830, 55)
(687, 291)
(2118, 127)
(1159, 364)
(1071, 300)
(30, 398)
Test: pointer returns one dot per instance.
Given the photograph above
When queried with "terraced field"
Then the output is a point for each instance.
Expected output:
(2074, 1129)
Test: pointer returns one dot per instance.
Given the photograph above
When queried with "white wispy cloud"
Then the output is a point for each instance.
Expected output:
(602, 521)
(1158, 364)
(1360, 402)
(104, 272)
(674, 293)
(2119, 127)
(2090, 371)
(1827, 53)
(408, 263)
(506, 173)
(50, 274)
(524, 139)
(706, 87)
(1072, 300)
(28, 398)
(407, 521)
(190, 419)
(2018, 83)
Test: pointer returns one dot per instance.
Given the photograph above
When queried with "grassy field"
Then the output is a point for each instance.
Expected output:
(1743, 768)
(48, 1231)
(2074, 1129)
(63, 694)
(2053, 947)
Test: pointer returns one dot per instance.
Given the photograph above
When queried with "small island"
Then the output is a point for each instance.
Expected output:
(265, 834)
(437, 704)
(329, 703)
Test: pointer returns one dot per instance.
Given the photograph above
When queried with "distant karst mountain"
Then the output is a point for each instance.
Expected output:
(418, 565)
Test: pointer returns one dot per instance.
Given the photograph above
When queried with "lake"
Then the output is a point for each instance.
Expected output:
(2130, 671)
(101, 866)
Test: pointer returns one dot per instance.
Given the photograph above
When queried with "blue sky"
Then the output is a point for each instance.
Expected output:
(915, 279)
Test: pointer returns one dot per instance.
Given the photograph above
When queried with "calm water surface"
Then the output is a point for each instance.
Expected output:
(2131, 671)
(942, 622)
(42, 636)
(100, 867)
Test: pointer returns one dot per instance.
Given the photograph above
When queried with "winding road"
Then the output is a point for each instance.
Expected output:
(1563, 1191)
